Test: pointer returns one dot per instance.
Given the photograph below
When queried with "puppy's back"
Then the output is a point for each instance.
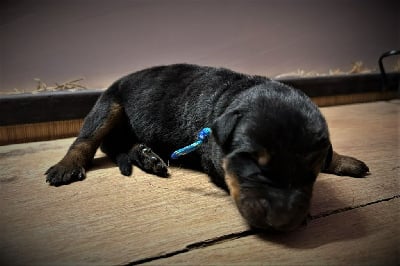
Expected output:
(167, 105)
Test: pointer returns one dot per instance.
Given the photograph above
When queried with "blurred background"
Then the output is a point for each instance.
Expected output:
(101, 40)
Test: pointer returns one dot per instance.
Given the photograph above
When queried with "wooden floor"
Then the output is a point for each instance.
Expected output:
(109, 219)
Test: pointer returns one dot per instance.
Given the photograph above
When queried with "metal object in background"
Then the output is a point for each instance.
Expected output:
(382, 69)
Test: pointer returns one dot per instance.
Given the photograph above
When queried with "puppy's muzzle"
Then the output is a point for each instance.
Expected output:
(272, 208)
(267, 207)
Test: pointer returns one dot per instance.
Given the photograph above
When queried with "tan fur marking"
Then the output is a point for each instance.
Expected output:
(263, 158)
(232, 182)
(111, 120)
(82, 152)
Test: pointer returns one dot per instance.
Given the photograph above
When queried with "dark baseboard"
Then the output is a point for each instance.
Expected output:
(65, 105)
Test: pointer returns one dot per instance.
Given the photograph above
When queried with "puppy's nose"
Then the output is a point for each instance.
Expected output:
(283, 218)
(260, 213)
(255, 211)
(282, 222)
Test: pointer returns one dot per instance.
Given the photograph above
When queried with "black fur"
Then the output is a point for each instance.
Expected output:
(163, 108)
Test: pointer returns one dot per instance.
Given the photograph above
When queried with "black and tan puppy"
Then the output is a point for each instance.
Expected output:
(269, 141)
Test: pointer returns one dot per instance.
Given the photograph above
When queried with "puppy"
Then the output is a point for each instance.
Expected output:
(269, 141)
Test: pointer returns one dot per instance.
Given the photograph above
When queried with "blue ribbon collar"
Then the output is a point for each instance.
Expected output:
(202, 137)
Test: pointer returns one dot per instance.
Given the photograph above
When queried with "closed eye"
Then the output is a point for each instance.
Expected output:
(273, 179)
(267, 177)
(257, 181)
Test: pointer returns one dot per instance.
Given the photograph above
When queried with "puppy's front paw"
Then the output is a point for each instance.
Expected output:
(349, 166)
(61, 174)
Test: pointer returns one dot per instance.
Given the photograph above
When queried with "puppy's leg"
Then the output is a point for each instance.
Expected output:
(121, 146)
(143, 157)
(97, 124)
(146, 159)
(117, 143)
(344, 165)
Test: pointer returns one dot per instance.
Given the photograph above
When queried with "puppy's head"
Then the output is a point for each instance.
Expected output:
(273, 151)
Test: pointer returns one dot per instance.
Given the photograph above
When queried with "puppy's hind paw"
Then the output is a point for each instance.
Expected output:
(350, 166)
(148, 160)
(60, 174)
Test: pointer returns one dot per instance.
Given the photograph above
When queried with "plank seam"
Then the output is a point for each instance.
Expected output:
(246, 233)
(331, 212)
(196, 245)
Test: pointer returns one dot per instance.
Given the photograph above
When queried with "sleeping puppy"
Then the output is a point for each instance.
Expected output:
(268, 146)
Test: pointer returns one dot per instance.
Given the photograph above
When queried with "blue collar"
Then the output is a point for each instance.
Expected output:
(201, 138)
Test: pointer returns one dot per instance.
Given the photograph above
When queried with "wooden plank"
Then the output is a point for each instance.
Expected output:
(108, 218)
(366, 236)
(340, 99)
(39, 131)
(369, 132)
(111, 219)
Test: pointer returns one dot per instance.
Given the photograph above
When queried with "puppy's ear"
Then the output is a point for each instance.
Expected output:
(224, 126)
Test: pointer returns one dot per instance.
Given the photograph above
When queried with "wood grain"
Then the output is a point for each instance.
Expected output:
(111, 219)
(22, 133)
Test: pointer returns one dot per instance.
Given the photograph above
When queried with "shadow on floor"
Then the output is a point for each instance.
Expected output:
(101, 163)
